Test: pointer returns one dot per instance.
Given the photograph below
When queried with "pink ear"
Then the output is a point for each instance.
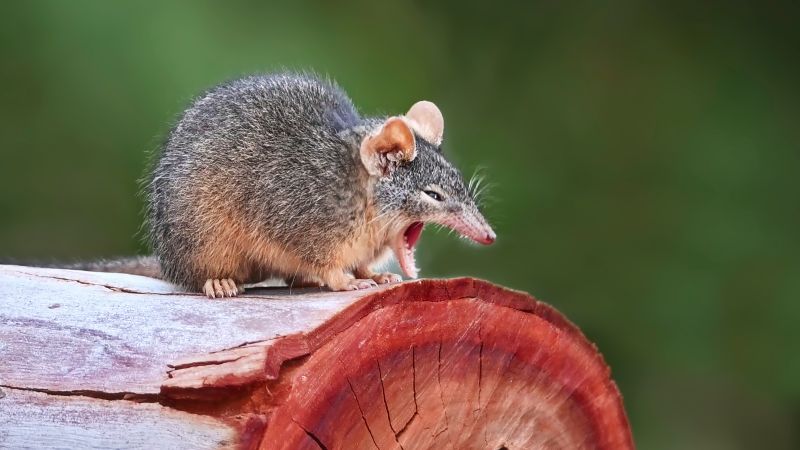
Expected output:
(393, 144)
(427, 121)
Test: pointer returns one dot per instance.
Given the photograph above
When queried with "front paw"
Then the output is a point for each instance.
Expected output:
(387, 278)
(225, 287)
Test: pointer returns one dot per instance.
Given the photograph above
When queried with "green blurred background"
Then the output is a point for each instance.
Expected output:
(644, 157)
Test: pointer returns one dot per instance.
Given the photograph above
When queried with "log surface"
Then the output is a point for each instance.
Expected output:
(118, 361)
(35, 420)
(67, 330)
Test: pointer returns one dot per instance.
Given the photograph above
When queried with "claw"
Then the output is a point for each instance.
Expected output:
(365, 284)
(208, 289)
(221, 288)
(229, 286)
(387, 278)
(356, 284)
(218, 289)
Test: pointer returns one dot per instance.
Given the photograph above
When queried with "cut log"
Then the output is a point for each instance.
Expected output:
(120, 361)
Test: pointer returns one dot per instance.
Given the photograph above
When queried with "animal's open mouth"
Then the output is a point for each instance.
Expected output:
(404, 249)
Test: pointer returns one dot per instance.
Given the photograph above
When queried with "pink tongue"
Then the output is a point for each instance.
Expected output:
(413, 232)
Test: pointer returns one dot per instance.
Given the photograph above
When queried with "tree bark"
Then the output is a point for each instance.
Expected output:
(112, 361)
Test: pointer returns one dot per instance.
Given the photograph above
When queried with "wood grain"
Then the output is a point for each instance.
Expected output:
(66, 330)
(34, 420)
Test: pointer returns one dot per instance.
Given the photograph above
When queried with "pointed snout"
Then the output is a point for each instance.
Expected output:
(472, 226)
(488, 238)
(482, 232)
(483, 235)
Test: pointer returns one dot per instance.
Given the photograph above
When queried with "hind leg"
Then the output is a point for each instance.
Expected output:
(226, 287)
(301, 281)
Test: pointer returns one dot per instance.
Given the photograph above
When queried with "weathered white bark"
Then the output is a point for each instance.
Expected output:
(36, 420)
(80, 350)
(66, 330)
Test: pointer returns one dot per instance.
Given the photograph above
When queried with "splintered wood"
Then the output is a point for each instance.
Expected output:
(431, 364)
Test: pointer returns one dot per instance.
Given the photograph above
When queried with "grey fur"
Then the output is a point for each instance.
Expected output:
(285, 151)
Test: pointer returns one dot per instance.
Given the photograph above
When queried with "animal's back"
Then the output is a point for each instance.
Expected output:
(254, 169)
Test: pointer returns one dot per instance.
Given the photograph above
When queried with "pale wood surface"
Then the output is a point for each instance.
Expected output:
(33, 420)
(65, 330)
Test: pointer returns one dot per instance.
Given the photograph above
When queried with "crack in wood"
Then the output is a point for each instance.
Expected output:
(398, 434)
(386, 404)
(178, 367)
(199, 362)
(480, 363)
(441, 396)
(110, 396)
(480, 376)
(414, 384)
(110, 288)
(310, 435)
(480, 381)
(405, 427)
(361, 411)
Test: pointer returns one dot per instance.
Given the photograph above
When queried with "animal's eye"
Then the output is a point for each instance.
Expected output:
(433, 195)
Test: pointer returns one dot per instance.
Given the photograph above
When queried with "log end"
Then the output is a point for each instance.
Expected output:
(458, 364)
